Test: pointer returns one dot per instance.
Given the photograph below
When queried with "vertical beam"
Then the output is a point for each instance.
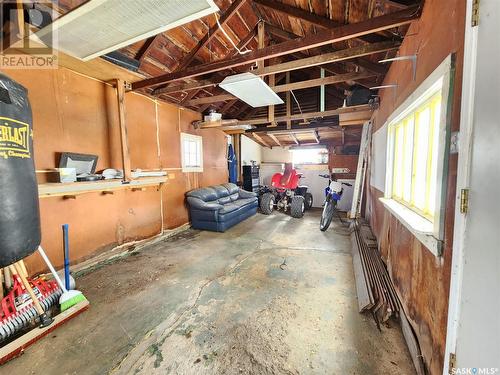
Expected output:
(260, 41)
(270, 109)
(20, 19)
(120, 95)
(288, 103)
(322, 92)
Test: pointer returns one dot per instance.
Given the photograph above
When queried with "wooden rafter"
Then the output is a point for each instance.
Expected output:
(233, 8)
(274, 138)
(324, 37)
(307, 16)
(336, 56)
(146, 48)
(259, 139)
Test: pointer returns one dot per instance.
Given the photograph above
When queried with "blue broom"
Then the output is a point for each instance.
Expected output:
(69, 298)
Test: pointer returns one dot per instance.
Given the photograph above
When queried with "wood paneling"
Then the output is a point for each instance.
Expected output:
(78, 114)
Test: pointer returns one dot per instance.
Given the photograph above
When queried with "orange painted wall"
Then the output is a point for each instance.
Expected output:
(422, 280)
(79, 114)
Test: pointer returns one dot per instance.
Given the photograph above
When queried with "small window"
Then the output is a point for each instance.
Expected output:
(315, 155)
(191, 153)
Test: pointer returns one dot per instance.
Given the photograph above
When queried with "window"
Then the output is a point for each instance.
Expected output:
(310, 156)
(191, 153)
(416, 147)
(417, 142)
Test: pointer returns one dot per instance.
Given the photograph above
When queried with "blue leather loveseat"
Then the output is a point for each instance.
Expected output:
(220, 207)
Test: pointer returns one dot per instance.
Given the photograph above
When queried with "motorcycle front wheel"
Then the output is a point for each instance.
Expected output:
(326, 215)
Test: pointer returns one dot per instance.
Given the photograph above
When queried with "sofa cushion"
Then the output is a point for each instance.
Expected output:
(224, 200)
(235, 210)
(221, 191)
(231, 188)
(206, 194)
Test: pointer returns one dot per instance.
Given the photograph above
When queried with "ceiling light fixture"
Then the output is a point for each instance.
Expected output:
(251, 89)
(101, 26)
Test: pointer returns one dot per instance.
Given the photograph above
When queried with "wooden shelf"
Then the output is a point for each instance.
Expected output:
(54, 189)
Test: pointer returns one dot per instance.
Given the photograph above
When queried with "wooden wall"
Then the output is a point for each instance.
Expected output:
(75, 113)
(421, 279)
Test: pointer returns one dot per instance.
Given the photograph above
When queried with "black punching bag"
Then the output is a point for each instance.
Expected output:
(19, 212)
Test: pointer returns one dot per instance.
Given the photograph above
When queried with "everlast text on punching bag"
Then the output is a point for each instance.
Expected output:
(19, 211)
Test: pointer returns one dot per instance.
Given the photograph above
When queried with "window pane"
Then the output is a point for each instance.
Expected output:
(434, 154)
(421, 155)
(398, 162)
(408, 158)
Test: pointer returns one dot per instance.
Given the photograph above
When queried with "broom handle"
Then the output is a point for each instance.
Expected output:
(51, 268)
(16, 268)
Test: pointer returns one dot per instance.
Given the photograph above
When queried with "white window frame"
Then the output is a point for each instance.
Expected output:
(430, 233)
(199, 140)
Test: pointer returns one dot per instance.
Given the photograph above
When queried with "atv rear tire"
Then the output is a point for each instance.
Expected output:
(298, 206)
(267, 203)
(308, 198)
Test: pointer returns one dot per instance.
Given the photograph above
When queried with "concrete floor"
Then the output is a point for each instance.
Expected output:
(273, 295)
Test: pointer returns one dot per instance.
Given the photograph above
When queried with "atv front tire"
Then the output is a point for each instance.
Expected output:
(267, 203)
(298, 206)
(308, 198)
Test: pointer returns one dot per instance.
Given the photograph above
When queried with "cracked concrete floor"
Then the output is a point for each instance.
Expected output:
(272, 295)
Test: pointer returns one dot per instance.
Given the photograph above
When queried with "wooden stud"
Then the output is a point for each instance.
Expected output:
(270, 109)
(328, 36)
(288, 103)
(120, 95)
(260, 42)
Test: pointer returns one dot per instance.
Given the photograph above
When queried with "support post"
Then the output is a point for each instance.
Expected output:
(120, 94)
(288, 103)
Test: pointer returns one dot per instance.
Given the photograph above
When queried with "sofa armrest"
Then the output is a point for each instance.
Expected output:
(246, 194)
(198, 204)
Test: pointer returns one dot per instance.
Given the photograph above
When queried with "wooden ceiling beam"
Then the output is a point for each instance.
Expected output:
(328, 36)
(146, 48)
(307, 16)
(330, 80)
(233, 8)
(259, 139)
(274, 138)
(336, 56)
(308, 115)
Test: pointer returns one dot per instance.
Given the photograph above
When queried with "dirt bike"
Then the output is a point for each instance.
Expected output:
(333, 193)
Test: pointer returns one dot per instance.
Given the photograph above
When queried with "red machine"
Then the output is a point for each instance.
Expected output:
(285, 193)
(17, 312)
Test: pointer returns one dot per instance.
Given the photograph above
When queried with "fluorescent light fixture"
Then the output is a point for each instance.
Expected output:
(251, 89)
(102, 26)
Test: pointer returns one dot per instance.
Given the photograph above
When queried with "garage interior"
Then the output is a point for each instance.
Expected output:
(249, 187)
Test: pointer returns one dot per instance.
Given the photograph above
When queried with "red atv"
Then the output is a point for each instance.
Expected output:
(285, 193)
